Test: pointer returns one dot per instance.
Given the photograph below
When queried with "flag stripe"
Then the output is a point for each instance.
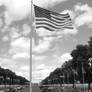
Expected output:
(49, 24)
(46, 27)
(59, 15)
(52, 23)
(60, 18)
(51, 20)
(68, 27)
(58, 21)
(53, 27)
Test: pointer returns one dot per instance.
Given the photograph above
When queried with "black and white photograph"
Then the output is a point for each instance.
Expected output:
(15, 45)
(61, 45)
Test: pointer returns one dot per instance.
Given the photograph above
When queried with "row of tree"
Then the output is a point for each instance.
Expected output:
(9, 77)
(78, 69)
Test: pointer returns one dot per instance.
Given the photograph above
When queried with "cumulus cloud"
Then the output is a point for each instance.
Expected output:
(7, 63)
(47, 3)
(25, 71)
(38, 57)
(21, 55)
(26, 30)
(44, 32)
(20, 48)
(49, 37)
(5, 38)
(22, 42)
(68, 32)
(40, 73)
(65, 57)
(82, 8)
(16, 9)
(14, 33)
(24, 68)
(41, 67)
(85, 15)
(43, 46)
(1, 23)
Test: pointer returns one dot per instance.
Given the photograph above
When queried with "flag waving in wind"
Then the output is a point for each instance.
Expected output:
(51, 20)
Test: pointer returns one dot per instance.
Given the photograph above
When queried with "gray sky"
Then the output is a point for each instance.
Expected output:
(51, 49)
(15, 35)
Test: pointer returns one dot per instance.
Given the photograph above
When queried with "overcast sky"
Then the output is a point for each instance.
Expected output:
(15, 35)
(51, 49)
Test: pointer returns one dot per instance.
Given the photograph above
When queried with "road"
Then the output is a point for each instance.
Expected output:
(24, 90)
(35, 89)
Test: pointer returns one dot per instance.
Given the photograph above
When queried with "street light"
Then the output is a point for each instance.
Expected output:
(90, 63)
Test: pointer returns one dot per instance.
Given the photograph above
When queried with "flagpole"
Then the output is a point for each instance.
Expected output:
(31, 51)
(32, 5)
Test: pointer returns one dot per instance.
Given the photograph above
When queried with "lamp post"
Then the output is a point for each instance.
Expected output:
(90, 63)
(83, 72)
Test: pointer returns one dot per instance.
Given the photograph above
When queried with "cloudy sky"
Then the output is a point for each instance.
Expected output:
(51, 49)
(15, 35)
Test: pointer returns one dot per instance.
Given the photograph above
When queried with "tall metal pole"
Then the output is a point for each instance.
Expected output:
(31, 50)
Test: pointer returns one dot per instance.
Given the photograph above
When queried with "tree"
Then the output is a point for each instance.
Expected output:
(2, 75)
(10, 75)
(80, 57)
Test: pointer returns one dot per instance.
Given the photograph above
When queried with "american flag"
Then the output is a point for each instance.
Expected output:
(51, 20)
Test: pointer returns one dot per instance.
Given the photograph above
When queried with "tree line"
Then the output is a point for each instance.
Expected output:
(8, 77)
(76, 70)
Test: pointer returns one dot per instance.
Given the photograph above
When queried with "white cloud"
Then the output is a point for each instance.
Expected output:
(49, 37)
(16, 9)
(38, 57)
(81, 8)
(14, 33)
(26, 30)
(47, 3)
(20, 48)
(21, 55)
(43, 46)
(40, 73)
(21, 44)
(69, 31)
(85, 15)
(41, 67)
(83, 19)
(24, 74)
(65, 57)
(25, 68)
(1, 22)
(7, 63)
(5, 38)
(43, 32)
